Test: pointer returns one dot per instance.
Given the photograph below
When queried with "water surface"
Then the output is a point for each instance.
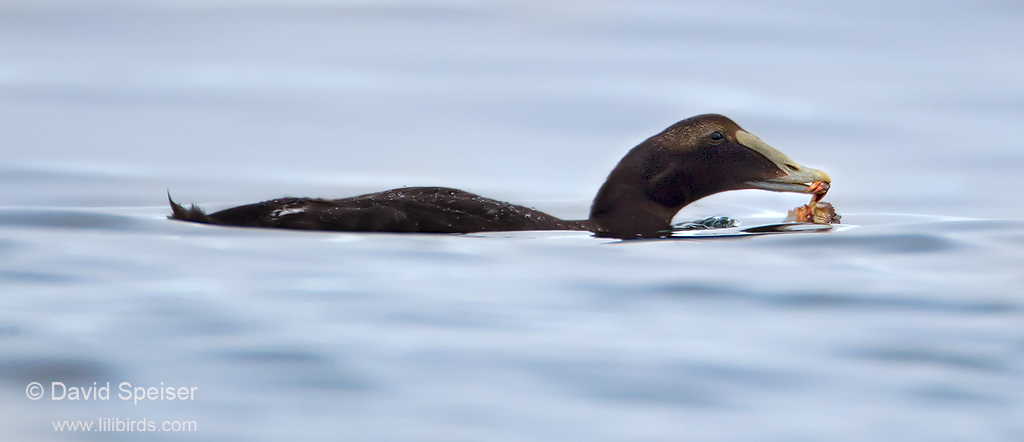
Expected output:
(905, 323)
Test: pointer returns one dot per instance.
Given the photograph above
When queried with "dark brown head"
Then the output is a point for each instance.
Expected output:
(693, 158)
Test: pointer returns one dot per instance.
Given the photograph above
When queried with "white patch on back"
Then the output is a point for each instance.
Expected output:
(287, 211)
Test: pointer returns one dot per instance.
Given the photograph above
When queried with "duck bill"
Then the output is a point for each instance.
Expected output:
(797, 178)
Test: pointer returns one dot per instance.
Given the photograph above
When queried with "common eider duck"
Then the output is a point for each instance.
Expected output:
(689, 160)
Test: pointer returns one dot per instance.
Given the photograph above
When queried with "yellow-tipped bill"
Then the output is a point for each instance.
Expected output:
(798, 178)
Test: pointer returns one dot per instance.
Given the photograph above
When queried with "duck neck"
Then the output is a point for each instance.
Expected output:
(640, 196)
(624, 212)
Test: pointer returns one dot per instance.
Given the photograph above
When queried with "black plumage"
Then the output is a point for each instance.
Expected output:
(691, 159)
(410, 209)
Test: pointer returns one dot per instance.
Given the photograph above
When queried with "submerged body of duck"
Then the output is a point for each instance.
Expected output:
(691, 159)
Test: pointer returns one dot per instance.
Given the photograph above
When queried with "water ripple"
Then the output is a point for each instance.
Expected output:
(924, 356)
(36, 277)
(878, 243)
(798, 299)
(48, 369)
(66, 220)
(297, 368)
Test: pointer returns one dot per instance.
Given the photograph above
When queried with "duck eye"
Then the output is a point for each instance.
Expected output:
(717, 136)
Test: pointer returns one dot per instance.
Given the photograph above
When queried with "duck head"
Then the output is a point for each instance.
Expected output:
(692, 159)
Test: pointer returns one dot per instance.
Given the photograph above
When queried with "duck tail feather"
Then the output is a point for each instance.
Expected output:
(194, 213)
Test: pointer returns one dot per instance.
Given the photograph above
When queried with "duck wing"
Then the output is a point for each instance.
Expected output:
(410, 209)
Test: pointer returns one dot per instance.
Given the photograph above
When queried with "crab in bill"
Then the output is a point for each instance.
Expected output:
(816, 211)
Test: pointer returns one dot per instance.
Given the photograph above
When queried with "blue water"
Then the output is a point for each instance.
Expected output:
(904, 323)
